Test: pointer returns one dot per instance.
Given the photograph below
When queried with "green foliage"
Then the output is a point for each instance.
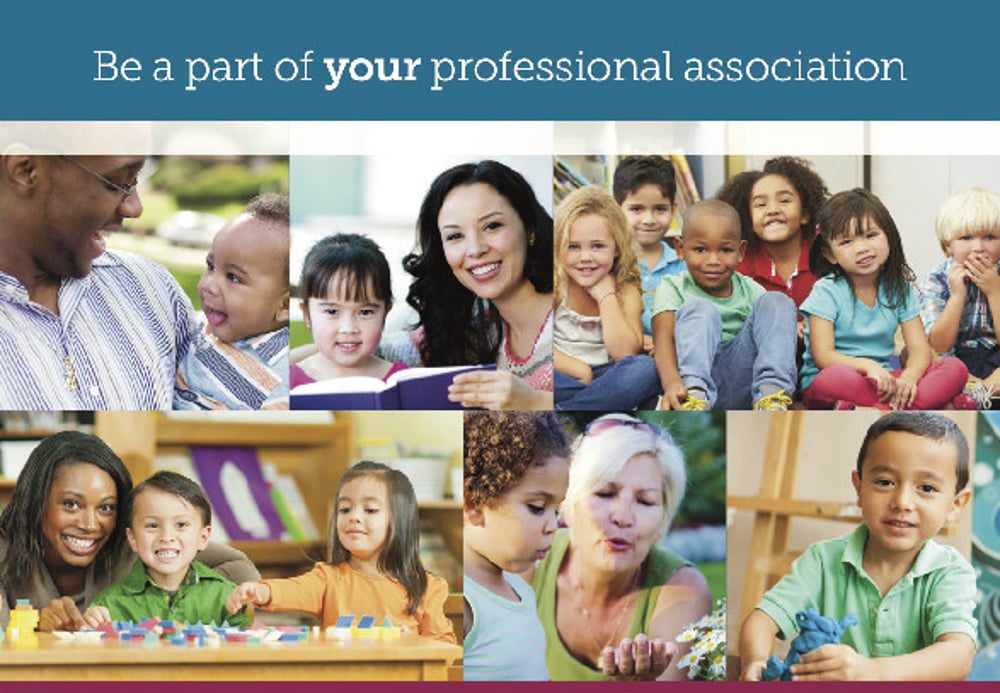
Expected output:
(298, 334)
(715, 576)
(201, 184)
(189, 283)
(702, 437)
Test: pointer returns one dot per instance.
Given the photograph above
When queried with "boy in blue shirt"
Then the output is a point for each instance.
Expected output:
(170, 523)
(645, 187)
(913, 597)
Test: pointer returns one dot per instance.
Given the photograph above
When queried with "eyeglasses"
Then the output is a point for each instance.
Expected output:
(126, 190)
(604, 424)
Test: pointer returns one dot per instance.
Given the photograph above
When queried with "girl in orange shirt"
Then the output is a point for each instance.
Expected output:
(372, 563)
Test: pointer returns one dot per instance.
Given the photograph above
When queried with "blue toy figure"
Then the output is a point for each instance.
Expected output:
(814, 631)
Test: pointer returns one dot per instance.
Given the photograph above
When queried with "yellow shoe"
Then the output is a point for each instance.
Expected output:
(777, 401)
(694, 404)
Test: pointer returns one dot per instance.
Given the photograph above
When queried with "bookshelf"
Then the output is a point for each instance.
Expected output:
(567, 174)
(315, 454)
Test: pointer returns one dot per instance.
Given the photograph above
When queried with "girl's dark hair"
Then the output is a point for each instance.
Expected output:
(799, 172)
(459, 327)
(736, 191)
(353, 261)
(22, 519)
(400, 557)
(848, 212)
(177, 485)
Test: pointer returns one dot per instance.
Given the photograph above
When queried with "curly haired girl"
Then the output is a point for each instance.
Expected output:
(516, 470)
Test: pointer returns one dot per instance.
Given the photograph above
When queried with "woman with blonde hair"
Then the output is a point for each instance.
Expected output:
(611, 601)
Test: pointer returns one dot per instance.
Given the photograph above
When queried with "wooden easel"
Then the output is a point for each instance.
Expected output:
(774, 507)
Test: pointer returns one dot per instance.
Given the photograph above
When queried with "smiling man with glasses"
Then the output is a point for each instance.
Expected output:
(127, 190)
(81, 327)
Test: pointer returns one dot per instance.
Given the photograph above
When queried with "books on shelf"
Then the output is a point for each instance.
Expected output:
(412, 388)
(565, 179)
(241, 500)
(258, 483)
(290, 504)
(687, 188)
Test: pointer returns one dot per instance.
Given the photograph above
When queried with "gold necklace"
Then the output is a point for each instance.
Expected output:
(69, 373)
(618, 621)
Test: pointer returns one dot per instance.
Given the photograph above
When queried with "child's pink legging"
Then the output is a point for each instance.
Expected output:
(940, 383)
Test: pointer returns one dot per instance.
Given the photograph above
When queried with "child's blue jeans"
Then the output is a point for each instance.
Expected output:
(731, 374)
(623, 385)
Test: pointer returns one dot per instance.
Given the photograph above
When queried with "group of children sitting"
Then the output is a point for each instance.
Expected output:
(776, 293)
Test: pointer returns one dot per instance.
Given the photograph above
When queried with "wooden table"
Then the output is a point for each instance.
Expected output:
(46, 658)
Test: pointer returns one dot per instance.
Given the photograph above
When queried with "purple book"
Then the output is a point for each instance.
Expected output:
(410, 388)
(241, 501)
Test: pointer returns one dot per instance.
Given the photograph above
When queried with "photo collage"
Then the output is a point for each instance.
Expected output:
(495, 402)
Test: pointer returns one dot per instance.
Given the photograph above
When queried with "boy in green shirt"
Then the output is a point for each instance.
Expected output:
(170, 523)
(913, 597)
(722, 341)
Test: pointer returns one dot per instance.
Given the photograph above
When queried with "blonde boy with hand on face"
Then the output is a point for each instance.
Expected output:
(238, 357)
(960, 298)
(913, 596)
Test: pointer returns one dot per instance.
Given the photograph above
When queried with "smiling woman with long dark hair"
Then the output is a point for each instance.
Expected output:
(482, 285)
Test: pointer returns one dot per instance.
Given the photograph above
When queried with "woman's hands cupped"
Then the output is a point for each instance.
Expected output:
(637, 659)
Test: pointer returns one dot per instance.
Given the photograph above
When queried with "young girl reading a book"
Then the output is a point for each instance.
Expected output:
(372, 563)
(864, 294)
(598, 315)
(346, 294)
(515, 475)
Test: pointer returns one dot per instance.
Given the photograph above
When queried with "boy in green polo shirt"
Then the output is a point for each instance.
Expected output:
(913, 596)
(170, 523)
